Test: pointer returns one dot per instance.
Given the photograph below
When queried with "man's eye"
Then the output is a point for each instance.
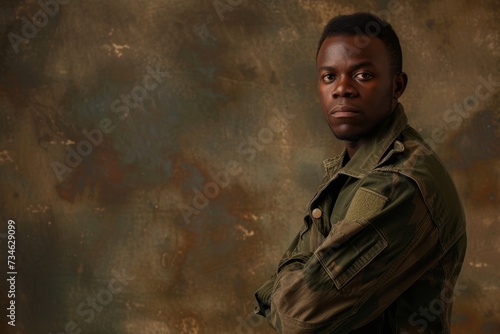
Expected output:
(328, 78)
(363, 76)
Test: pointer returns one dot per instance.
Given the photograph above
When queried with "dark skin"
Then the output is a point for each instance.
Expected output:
(357, 87)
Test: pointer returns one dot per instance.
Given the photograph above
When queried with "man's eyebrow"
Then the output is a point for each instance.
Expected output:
(365, 63)
(326, 68)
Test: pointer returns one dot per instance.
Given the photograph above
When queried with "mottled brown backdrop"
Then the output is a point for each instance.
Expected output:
(128, 232)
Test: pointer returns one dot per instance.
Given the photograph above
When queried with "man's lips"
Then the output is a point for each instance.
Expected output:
(342, 111)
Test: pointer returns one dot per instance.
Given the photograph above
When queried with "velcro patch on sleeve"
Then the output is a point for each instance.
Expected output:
(365, 204)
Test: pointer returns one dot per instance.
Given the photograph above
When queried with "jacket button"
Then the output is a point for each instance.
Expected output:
(317, 213)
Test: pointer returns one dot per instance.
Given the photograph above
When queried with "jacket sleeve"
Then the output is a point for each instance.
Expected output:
(367, 260)
(302, 247)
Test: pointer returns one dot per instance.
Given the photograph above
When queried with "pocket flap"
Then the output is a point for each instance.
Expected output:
(349, 248)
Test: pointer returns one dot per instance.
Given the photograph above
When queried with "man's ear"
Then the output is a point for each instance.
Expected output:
(400, 81)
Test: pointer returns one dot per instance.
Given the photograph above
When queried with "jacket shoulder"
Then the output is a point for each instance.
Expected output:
(421, 164)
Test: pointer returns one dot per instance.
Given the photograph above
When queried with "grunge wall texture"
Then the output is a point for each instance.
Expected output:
(106, 243)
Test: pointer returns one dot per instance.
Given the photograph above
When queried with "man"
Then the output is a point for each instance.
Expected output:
(383, 239)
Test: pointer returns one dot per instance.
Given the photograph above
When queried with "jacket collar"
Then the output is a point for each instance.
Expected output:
(371, 152)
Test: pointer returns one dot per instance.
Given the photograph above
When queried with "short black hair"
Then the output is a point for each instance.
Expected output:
(369, 25)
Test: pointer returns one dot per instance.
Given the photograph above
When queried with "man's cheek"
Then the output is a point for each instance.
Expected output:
(323, 104)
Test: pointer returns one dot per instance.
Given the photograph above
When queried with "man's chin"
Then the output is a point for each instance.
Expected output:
(353, 135)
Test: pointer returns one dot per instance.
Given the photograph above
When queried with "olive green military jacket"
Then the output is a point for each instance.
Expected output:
(381, 247)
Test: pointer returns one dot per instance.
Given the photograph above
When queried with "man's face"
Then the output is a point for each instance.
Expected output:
(356, 85)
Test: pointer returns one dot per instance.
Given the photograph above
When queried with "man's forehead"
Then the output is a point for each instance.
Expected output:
(353, 48)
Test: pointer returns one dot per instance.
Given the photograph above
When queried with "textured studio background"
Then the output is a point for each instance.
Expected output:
(113, 232)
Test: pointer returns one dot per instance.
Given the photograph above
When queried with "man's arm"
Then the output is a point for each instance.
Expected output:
(304, 244)
(364, 264)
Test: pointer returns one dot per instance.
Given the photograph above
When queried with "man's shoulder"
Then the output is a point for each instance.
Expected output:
(421, 164)
(410, 155)
(419, 160)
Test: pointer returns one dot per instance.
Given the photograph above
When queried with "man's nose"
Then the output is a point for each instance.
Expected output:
(343, 88)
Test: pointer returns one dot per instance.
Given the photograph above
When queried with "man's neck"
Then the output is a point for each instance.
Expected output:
(352, 147)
